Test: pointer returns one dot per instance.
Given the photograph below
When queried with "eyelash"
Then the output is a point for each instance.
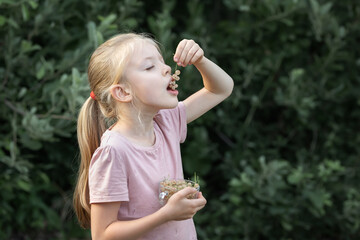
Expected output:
(149, 68)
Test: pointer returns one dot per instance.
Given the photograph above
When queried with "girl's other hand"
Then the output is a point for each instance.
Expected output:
(188, 52)
(178, 207)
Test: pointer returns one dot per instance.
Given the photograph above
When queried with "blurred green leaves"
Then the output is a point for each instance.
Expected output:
(277, 160)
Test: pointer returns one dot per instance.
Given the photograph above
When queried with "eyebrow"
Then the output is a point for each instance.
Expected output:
(152, 58)
(145, 60)
(148, 58)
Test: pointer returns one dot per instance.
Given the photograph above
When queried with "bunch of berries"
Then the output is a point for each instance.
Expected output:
(175, 78)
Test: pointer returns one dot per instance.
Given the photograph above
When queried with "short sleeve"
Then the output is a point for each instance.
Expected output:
(107, 176)
(174, 120)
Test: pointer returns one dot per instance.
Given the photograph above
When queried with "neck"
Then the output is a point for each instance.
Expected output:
(138, 128)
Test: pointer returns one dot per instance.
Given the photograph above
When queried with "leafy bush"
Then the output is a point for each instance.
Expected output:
(277, 160)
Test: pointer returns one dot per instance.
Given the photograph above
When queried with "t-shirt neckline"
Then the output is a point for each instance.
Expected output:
(155, 146)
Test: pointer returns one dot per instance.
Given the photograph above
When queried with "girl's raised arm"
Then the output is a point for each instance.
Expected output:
(218, 84)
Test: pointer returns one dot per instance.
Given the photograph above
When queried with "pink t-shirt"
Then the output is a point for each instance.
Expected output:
(122, 171)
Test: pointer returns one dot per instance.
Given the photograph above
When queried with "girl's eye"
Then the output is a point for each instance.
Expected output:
(148, 68)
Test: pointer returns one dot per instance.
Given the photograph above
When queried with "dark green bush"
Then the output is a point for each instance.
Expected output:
(279, 159)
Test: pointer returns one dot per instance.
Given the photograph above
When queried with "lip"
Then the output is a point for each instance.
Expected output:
(173, 92)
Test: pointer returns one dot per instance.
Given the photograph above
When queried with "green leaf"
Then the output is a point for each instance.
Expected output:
(27, 46)
(41, 72)
(24, 185)
(92, 33)
(33, 4)
(2, 20)
(25, 12)
(12, 23)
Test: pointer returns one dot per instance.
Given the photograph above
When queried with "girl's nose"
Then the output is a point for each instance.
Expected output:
(166, 70)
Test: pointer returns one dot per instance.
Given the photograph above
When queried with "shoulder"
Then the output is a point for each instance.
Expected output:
(174, 114)
(112, 147)
(173, 121)
(109, 159)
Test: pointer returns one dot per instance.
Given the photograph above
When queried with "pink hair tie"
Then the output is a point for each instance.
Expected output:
(92, 95)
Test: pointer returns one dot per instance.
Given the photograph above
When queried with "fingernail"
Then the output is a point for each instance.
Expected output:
(180, 63)
(176, 59)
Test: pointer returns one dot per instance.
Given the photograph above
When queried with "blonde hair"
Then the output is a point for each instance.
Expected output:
(106, 68)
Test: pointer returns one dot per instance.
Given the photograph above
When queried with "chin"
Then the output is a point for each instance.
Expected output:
(172, 104)
(169, 103)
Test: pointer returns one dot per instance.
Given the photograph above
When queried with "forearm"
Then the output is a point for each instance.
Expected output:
(215, 79)
(105, 226)
(133, 229)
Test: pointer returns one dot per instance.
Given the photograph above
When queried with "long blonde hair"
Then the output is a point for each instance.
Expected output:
(106, 67)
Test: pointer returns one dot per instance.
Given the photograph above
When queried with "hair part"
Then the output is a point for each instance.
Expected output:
(106, 67)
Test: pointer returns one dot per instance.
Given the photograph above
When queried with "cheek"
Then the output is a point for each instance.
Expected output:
(145, 92)
(147, 87)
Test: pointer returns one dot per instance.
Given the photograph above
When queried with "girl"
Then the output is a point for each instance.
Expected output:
(121, 167)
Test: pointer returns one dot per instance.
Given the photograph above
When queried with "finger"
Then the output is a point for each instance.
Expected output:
(186, 191)
(199, 208)
(200, 195)
(185, 52)
(197, 56)
(199, 202)
(191, 53)
(179, 50)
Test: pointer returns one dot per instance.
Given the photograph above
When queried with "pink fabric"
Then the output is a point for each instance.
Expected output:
(122, 171)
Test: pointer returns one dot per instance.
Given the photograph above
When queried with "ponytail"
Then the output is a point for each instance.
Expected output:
(91, 126)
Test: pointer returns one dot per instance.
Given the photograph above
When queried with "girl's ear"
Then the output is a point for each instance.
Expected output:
(121, 93)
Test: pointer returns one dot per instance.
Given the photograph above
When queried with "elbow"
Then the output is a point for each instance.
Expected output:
(103, 235)
(97, 236)
(230, 88)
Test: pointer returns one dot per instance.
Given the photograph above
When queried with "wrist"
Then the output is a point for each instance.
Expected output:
(200, 62)
(163, 214)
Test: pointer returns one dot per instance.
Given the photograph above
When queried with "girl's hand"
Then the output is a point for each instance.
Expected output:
(188, 52)
(178, 207)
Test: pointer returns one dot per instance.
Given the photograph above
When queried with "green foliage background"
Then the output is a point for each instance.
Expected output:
(279, 159)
